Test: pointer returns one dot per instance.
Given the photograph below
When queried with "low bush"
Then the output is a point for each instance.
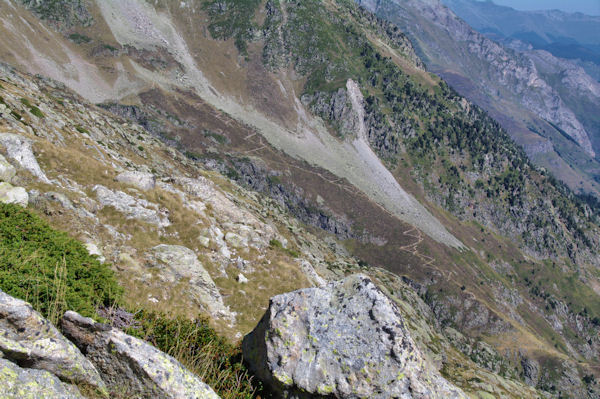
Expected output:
(49, 269)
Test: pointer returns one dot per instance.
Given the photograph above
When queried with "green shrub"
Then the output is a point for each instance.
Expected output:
(32, 108)
(274, 243)
(81, 129)
(79, 38)
(49, 269)
(198, 347)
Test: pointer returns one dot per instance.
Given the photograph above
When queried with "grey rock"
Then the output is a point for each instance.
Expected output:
(20, 383)
(531, 371)
(345, 340)
(242, 279)
(130, 365)
(133, 208)
(175, 263)
(235, 240)
(28, 338)
(19, 149)
(13, 195)
(7, 171)
(93, 249)
(142, 180)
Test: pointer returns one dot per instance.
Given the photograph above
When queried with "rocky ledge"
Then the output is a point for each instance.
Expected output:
(38, 361)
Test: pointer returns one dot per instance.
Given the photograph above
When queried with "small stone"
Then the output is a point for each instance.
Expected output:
(7, 171)
(13, 195)
(204, 241)
(142, 180)
(242, 279)
(235, 240)
(95, 251)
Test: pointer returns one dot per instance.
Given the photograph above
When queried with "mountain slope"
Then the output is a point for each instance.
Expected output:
(505, 83)
(320, 105)
(565, 35)
(171, 221)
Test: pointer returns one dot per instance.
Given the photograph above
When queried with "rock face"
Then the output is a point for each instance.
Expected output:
(130, 365)
(19, 149)
(143, 181)
(176, 262)
(7, 171)
(28, 338)
(19, 383)
(13, 195)
(531, 371)
(344, 340)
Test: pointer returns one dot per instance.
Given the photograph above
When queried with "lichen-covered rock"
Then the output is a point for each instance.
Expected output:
(142, 180)
(13, 195)
(7, 171)
(128, 364)
(27, 338)
(133, 208)
(19, 149)
(20, 383)
(175, 262)
(344, 340)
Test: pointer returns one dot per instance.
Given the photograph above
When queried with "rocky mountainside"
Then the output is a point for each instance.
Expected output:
(572, 36)
(238, 151)
(130, 199)
(554, 128)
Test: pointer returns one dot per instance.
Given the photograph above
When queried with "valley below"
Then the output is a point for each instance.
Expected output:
(249, 189)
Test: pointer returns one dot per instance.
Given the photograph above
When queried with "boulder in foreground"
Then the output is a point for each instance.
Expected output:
(132, 366)
(344, 340)
(26, 338)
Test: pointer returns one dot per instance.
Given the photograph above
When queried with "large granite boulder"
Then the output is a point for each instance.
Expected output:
(26, 338)
(21, 383)
(343, 340)
(131, 366)
(13, 195)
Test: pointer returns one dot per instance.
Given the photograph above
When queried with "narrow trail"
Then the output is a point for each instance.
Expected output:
(412, 232)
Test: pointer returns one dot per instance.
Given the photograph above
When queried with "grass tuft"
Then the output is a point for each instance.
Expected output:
(198, 347)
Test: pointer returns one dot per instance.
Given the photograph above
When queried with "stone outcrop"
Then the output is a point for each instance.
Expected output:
(344, 340)
(13, 195)
(133, 208)
(130, 365)
(29, 339)
(175, 262)
(142, 180)
(19, 149)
